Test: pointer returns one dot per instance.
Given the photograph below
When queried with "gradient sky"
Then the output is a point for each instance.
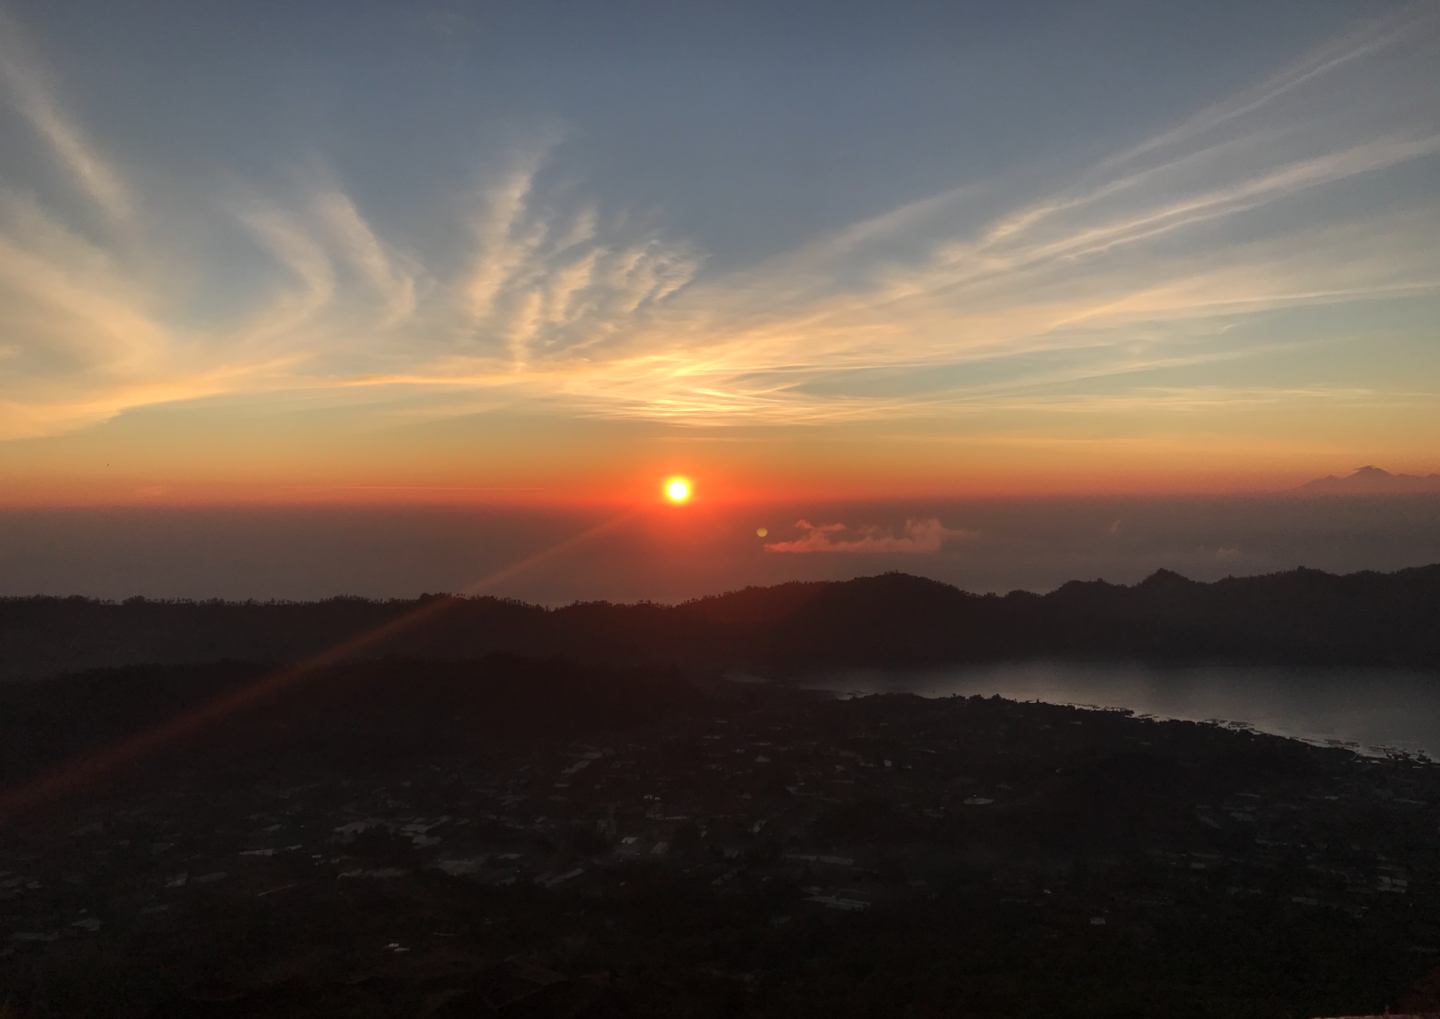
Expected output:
(442, 251)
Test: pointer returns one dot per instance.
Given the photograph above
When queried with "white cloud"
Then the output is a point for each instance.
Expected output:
(915, 536)
(550, 285)
(67, 142)
(561, 302)
(371, 256)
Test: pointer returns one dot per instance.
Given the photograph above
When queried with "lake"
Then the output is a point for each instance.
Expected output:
(1373, 711)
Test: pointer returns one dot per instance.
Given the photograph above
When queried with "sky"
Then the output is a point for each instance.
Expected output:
(443, 253)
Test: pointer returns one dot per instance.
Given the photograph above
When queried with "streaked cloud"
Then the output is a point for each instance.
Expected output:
(547, 296)
(67, 143)
(551, 284)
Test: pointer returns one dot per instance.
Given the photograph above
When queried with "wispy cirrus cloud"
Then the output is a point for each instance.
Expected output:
(548, 283)
(32, 96)
(982, 298)
(917, 536)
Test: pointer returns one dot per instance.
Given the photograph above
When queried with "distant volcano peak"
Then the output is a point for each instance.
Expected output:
(1371, 480)
(1166, 579)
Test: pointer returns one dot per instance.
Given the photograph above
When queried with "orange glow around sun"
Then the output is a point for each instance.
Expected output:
(678, 489)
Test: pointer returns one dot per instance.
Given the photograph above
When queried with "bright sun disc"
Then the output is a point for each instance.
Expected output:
(677, 490)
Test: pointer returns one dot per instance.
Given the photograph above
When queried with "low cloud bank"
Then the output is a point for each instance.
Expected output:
(915, 536)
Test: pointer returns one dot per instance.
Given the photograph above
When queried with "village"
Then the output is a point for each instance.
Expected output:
(729, 847)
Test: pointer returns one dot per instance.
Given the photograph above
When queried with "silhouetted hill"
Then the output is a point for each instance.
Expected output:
(1372, 481)
(1302, 616)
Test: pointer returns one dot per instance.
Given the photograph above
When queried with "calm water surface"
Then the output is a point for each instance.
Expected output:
(1373, 710)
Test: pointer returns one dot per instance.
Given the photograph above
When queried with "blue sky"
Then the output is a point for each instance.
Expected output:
(403, 245)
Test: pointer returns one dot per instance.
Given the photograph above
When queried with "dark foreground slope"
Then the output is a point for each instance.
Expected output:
(1304, 616)
(352, 717)
(543, 839)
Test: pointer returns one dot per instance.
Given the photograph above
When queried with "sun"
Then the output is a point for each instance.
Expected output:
(678, 489)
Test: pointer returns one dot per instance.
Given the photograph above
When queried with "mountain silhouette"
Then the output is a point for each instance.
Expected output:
(1371, 481)
(1302, 616)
